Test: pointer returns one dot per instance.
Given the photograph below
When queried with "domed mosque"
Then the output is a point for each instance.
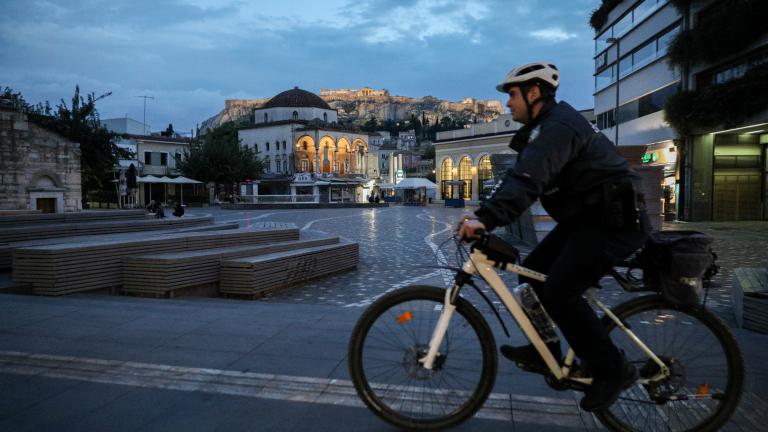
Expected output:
(307, 156)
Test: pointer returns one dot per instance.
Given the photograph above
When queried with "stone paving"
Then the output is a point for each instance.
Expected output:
(91, 362)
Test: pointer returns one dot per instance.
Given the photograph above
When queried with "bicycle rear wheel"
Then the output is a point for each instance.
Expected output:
(387, 343)
(707, 370)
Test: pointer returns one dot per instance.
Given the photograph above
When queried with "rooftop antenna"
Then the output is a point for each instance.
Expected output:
(145, 111)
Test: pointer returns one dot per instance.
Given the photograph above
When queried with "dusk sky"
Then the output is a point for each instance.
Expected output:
(191, 55)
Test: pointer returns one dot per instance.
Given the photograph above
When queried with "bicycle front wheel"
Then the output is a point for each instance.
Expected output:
(390, 338)
(705, 363)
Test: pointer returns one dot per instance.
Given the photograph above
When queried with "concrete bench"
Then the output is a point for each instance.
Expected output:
(6, 250)
(97, 264)
(255, 277)
(34, 232)
(33, 217)
(750, 298)
(163, 275)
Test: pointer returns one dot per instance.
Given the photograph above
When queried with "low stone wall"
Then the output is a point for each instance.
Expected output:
(288, 206)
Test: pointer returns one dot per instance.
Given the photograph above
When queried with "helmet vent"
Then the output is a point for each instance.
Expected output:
(530, 69)
(552, 66)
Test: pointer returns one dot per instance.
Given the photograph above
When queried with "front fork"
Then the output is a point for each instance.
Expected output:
(449, 307)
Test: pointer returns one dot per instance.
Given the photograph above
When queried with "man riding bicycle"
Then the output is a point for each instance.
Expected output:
(588, 188)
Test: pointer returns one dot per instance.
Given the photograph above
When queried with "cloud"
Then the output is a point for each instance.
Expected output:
(552, 34)
(193, 54)
(421, 20)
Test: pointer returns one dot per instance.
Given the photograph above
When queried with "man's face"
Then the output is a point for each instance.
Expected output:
(516, 105)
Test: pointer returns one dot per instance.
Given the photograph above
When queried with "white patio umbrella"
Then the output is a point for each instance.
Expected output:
(181, 180)
(415, 183)
(148, 179)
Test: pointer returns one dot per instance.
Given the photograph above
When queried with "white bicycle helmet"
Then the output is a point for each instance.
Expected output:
(541, 71)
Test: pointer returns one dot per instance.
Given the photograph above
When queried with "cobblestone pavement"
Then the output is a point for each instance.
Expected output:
(399, 246)
(97, 362)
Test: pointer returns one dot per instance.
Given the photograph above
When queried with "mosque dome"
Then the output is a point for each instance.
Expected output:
(297, 98)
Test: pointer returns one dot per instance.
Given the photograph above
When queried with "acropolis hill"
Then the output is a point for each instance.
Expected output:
(358, 105)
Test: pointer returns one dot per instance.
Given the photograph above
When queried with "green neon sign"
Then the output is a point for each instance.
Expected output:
(649, 158)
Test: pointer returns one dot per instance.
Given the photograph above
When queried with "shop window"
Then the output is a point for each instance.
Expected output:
(465, 174)
(446, 176)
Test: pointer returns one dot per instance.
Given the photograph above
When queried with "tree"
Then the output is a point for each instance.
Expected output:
(218, 157)
(428, 152)
(168, 131)
(79, 123)
(371, 125)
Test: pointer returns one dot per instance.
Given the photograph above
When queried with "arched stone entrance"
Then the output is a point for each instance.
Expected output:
(46, 193)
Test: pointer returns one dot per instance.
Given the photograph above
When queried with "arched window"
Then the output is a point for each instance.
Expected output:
(325, 117)
(484, 176)
(265, 118)
(465, 174)
(283, 145)
(256, 148)
(295, 115)
(267, 145)
(446, 176)
(267, 165)
(285, 166)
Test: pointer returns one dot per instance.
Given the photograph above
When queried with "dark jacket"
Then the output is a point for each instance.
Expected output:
(564, 161)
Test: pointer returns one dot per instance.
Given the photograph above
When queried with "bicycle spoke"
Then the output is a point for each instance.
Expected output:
(699, 366)
(398, 338)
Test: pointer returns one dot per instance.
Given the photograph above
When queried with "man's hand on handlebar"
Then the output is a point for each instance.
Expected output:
(470, 229)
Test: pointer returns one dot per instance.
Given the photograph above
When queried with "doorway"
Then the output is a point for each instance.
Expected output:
(46, 205)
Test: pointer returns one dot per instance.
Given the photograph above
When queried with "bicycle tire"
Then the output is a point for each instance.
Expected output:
(671, 335)
(374, 395)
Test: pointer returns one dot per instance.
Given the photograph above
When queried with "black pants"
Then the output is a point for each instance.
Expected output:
(575, 256)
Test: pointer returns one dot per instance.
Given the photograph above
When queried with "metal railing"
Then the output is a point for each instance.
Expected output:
(256, 199)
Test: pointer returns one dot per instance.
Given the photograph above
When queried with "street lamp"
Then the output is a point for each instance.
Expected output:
(617, 42)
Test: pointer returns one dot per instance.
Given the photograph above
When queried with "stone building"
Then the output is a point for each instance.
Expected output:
(39, 170)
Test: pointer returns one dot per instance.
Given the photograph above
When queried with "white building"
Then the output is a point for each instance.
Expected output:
(125, 125)
(307, 156)
(632, 77)
(152, 155)
(463, 157)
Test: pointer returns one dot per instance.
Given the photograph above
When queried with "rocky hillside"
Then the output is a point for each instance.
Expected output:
(356, 106)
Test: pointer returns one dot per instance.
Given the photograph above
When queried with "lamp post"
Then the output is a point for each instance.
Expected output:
(617, 42)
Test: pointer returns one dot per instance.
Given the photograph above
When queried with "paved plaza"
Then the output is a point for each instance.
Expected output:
(99, 362)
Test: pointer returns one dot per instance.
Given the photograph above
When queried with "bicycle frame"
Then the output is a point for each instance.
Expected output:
(478, 263)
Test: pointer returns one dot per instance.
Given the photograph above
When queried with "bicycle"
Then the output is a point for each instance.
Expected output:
(424, 358)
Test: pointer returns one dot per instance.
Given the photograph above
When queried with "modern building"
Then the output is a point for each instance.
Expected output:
(633, 81)
(39, 169)
(678, 86)
(307, 156)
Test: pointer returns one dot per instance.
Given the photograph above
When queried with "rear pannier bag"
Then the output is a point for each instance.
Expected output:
(674, 264)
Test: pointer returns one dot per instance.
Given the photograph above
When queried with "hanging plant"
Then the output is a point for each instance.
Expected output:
(681, 5)
(719, 106)
(735, 25)
(600, 15)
